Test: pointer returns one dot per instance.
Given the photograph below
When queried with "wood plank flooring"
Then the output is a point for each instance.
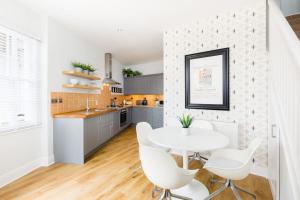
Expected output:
(110, 175)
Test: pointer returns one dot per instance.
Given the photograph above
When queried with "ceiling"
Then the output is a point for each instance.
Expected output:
(132, 30)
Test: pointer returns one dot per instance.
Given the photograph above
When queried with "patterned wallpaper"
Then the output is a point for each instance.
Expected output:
(244, 32)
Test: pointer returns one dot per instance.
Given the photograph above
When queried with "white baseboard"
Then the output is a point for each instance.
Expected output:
(273, 190)
(25, 169)
(259, 171)
(47, 161)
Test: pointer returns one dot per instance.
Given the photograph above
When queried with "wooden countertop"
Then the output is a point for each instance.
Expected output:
(83, 114)
(97, 112)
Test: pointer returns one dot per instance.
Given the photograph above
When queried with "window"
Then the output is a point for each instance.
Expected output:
(20, 83)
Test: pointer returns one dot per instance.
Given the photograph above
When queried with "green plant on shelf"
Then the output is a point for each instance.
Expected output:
(83, 67)
(128, 72)
(186, 121)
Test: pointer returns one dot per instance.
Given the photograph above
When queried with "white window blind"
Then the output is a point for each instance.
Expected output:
(20, 83)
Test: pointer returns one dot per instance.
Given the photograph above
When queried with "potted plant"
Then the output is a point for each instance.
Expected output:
(84, 68)
(77, 66)
(128, 72)
(90, 69)
(186, 121)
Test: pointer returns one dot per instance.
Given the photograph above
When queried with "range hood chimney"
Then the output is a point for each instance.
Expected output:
(108, 71)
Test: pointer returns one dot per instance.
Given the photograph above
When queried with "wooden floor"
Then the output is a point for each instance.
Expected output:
(108, 175)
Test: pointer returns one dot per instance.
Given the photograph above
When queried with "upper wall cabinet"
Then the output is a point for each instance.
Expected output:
(148, 84)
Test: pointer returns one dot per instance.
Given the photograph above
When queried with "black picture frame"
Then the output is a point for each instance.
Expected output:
(225, 65)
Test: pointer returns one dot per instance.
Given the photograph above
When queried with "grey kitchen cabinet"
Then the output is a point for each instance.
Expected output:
(106, 126)
(153, 115)
(76, 139)
(141, 114)
(68, 140)
(147, 84)
(157, 117)
(92, 138)
(116, 123)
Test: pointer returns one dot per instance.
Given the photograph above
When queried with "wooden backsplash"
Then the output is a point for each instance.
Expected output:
(151, 98)
(68, 102)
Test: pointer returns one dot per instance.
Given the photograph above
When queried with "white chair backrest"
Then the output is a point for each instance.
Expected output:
(143, 129)
(202, 124)
(249, 152)
(160, 167)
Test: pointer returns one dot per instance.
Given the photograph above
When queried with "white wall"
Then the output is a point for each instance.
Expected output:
(64, 46)
(20, 152)
(15, 16)
(153, 67)
(244, 32)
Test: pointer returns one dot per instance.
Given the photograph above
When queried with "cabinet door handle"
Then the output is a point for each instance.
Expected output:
(273, 131)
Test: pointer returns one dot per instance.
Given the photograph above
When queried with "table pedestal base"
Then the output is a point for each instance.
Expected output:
(195, 190)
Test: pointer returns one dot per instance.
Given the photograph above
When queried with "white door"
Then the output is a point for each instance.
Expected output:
(273, 156)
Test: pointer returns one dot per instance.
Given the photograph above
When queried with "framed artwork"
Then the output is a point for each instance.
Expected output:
(207, 80)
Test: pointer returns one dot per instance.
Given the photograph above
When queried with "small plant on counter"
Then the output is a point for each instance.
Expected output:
(128, 72)
(186, 121)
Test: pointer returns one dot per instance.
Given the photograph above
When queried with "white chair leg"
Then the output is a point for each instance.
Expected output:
(235, 192)
(216, 193)
(180, 197)
(217, 181)
(245, 191)
(167, 195)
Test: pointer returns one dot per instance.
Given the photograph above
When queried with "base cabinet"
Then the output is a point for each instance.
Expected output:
(152, 115)
(76, 139)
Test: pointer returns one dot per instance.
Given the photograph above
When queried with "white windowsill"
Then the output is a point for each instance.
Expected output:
(22, 129)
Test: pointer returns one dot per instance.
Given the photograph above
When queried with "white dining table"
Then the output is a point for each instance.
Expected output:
(199, 140)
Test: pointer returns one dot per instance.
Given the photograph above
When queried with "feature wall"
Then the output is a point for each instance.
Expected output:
(244, 32)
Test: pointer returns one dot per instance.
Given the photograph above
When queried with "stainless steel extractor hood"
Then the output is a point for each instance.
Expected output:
(108, 71)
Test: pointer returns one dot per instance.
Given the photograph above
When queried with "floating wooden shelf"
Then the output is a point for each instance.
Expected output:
(88, 87)
(81, 75)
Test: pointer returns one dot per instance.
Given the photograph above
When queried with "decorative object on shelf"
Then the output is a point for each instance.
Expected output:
(186, 121)
(73, 81)
(207, 80)
(128, 72)
(85, 68)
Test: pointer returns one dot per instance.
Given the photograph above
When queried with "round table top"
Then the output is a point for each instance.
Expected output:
(199, 140)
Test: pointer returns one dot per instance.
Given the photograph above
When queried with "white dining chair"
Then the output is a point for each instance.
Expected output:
(143, 129)
(161, 169)
(206, 125)
(232, 164)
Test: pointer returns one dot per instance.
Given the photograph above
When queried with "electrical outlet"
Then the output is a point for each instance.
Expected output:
(53, 101)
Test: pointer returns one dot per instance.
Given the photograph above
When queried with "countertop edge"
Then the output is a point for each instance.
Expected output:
(80, 115)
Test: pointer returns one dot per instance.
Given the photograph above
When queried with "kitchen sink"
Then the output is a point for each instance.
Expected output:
(93, 111)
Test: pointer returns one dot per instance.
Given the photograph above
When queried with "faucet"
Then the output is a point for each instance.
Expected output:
(87, 104)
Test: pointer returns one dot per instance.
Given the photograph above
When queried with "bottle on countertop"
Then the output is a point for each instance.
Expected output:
(145, 102)
(156, 101)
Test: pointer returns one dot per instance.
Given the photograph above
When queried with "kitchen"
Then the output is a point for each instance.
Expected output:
(84, 122)
(94, 97)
